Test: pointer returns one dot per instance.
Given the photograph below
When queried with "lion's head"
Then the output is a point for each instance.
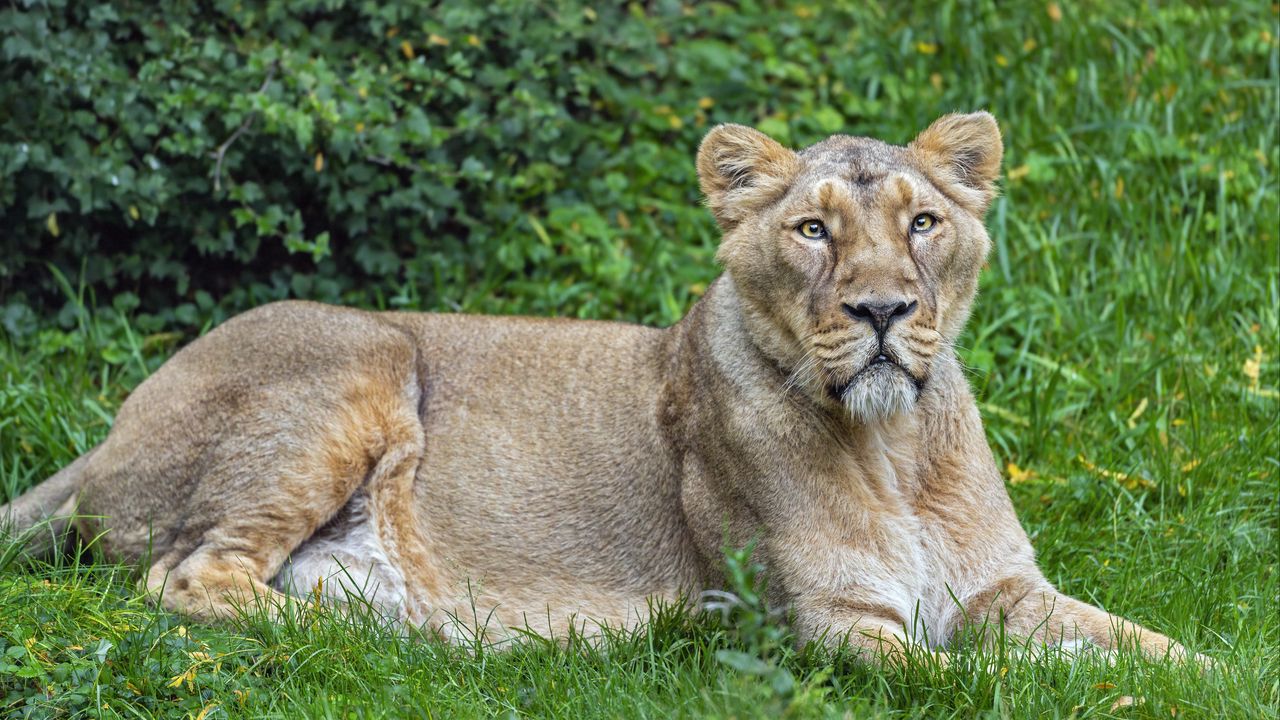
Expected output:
(856, 261)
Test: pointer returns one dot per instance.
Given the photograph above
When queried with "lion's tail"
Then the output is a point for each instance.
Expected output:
(35, 523)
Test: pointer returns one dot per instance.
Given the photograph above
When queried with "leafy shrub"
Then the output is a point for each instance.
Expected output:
(182, 153)
(187, 159)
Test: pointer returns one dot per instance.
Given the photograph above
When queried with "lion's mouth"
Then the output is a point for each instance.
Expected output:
(882, 364)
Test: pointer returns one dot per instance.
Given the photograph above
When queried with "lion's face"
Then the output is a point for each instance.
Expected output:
(856, 261)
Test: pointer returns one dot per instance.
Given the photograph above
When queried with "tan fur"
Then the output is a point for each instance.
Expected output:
(470, 472)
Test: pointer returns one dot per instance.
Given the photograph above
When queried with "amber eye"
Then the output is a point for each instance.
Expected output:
(923, 223)
(812, 230)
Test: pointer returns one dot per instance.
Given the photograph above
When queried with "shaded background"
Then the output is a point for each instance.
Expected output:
(537, 156)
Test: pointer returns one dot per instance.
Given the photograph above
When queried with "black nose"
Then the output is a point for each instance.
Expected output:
(880, 314)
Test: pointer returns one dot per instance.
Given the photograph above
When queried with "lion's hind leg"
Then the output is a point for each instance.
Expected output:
(254, 514)
(373, 550)
(212, 585)
(300, 469)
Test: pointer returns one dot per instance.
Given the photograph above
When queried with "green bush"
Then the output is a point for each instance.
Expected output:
(183, 160)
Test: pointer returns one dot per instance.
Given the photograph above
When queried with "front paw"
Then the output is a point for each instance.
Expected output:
(1180, 654)
(1206, 664)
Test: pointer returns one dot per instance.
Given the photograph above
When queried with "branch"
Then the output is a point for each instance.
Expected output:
(221, 152)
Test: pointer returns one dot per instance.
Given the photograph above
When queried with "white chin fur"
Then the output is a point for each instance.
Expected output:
(878, 394)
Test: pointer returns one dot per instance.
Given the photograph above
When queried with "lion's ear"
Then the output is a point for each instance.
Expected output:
(963, 152)
(740, 168)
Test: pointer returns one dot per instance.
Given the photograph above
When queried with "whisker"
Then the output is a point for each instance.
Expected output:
(844, 354)
(803, 373)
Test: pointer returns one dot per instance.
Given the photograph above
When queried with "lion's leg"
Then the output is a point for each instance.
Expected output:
(1034, 609)
(228, 561)
(876, 632)
(885, 641)
(394, 516)
(367, 439)
(213, 584)
(375, 549)
(1057, 619)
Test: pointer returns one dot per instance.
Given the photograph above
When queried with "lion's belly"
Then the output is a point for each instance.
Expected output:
(498, 593)
(546, 466)
(536, 526)
(345, 562)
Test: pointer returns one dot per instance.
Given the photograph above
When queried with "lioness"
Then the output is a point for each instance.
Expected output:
(542, 472)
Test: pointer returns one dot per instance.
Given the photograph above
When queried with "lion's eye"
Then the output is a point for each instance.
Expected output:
(923, 223)
(813, 230)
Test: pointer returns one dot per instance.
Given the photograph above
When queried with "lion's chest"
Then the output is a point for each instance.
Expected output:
(888, 548)
(911, 566)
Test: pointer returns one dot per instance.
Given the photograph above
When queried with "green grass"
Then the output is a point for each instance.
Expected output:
(1124, 352)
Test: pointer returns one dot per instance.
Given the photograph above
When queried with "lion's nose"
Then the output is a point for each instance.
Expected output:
(881, 314)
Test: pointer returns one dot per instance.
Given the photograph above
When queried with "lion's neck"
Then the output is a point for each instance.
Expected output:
(751, 328)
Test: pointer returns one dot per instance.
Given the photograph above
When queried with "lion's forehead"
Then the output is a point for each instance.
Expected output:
(838, 197)
(860, 159)
(851, 176)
